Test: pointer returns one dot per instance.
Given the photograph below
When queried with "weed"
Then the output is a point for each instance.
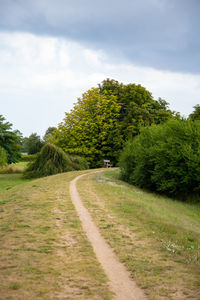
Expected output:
(14, 286)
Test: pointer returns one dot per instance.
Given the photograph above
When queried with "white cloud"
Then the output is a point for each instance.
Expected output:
(41, 77)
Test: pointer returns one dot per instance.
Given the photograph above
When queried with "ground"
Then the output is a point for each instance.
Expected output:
(45, 253)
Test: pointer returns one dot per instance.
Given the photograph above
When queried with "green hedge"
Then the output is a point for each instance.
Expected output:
(78, 162)
(165, 158)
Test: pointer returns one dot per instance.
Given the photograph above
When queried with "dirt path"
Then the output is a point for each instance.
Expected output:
(119, 279)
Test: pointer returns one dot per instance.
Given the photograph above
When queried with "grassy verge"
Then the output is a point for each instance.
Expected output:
(8, 181)
(158, 239)
(14, 168)
(44, 254)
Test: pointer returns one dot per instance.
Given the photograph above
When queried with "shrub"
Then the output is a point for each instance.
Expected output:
(165, 158)
(50, 160)
(3, 157)
(78, 163)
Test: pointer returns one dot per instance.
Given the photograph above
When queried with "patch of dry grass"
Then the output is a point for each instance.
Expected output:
(44, 253)
(158, 239)
(14, 168)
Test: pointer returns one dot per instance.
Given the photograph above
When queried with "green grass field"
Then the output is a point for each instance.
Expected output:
(157, 238)
(44, 253)
(7, 181)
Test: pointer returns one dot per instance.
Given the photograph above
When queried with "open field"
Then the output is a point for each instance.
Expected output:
(7, 181)
(158, 239)
(44, 253)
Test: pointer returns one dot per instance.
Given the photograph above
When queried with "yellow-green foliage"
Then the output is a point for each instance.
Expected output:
(105, 117)
(91, 129)
(3, 157)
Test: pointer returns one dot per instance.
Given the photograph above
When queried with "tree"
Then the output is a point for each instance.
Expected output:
(105, 117)
(138, 108)
(165, 158)
(48, 133)
(52, 160)
(10, 140)
(3, 157)
(91, 129)
(32, 144)
(195, 115)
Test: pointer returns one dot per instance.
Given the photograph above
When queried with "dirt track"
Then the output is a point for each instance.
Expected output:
(119, 279)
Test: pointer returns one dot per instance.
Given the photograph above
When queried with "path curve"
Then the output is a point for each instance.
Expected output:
(119, 279)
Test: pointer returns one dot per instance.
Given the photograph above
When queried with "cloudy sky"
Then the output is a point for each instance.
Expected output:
(51, 51)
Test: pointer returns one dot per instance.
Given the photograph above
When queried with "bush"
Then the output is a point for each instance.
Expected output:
(78, 163)
(3, 157)
(50, 160)
(165, 158)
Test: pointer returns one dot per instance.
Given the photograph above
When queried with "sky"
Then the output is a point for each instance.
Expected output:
(51, 51)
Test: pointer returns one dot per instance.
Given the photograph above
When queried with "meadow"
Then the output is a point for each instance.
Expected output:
(157, 238)
(44, 253)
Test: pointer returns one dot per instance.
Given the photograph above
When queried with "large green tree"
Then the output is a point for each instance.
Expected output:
(92, 129)
(138, 108)
(10, 140)
(105, 117)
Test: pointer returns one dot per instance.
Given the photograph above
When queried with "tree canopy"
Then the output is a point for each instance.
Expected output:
(91, 129)
(138, 108)
(10, 140)
(165, 158)
(48, 134)
(105, 117)
(195, 115)
(3, 157)
(32, 144)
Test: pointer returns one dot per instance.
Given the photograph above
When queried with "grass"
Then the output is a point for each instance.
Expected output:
(157, 238)
(8, 181)
(21, 164)
(44, 253)
(14, 168)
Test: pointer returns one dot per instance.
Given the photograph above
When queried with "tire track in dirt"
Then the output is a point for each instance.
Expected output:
(119, 279)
